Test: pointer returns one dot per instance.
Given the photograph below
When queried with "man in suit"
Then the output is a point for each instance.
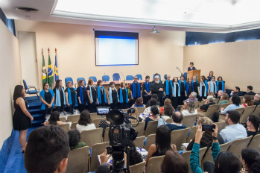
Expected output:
(257, 99)
(250, 91)
(208, 102)
(236, 91)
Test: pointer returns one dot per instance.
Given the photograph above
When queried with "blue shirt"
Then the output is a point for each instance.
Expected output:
(171, 126)
(233, 132)
(189, 69)
(229, 108)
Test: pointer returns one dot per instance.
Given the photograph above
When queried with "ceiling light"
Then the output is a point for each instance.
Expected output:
(155, 31)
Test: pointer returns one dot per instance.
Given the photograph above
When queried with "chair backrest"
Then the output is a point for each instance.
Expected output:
(241, 99)
(201, 103)
(140, 110)
(240, 110)
(105, 78)
(139, 128)
(154, 164)
(97, 121)
(116, 77)
(255, 143)
(74, 125)
(201, 153)
(73, 118)
(224, 105)
(97, 149)
(106, 137)
(257, 111)
(65, 127)
(159, 76)
(93, 78)
(139, 141)
(188, 120)
(179, 136)
(68, 79)
(151, 127)
(169, 121)
(197, 104)
(221, 125)
(216, 100)
(129, 77)
(78, 160)
(248, 111)
(192, 133)
(25, 85)
(211, 110)
(139, 76)
(94, 116)
(82, 78)
(186, 156)
(239, 144)
(137, 168)
(63, 119)
(149, 141)
(91, 137)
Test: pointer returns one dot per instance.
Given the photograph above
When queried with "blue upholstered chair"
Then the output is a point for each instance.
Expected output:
(68, 79)
(93, 78)
(105, 78)
(28, 91)
(116, 77)
(129, 77)
(139, 76)
(82, 78)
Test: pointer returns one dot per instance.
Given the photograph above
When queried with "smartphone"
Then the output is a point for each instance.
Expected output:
(208, 127)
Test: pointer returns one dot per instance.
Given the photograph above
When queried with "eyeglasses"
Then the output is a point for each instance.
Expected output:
(135, 78)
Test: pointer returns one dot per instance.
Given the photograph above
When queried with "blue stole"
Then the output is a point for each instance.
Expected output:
(209, 78)
(167, 87)
(69, 96)
(180, 84)
(223, 85)
(174, 92)
(126, 95)
(134, 90)
(147, 87)
(57, 100)
(206, 89)
(99, 94)
(81, 94)
(110, 94)
(42, 94)
(212, 87)
(188, 86)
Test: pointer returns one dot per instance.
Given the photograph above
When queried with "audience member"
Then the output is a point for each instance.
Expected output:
(247, 101)
(157, 88)
(223, 99)
(54, 119)
(252, 125)
(162, 143)
(182, 84)
(168, 88)
(220, 93)
(85, 122)
(104, 124)
(168, 111)
(152, 117)
(101, 94)
(82, 95)
(112, 97)
(250, 91)
(189, 87)
(192, 97)
(234, 130)
(250, 159)
(177, 118)
(59, 99)
(212, 94)
(123, 95)
(257, 99)
(47, 99)
(138, 103)
(212, 85)
(190, 110)
(135, 89)
(236, 91)
(221, 84)
(166, 101)
(47, 150)
(134, 156)
(152, 102)
(70, 94)
(203, 88)
(207, 103)
(174, 162)
(74, 140)
(154, 96)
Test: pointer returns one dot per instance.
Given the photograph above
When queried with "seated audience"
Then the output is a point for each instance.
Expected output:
(177, 118)
(168, 110)
(212, 94)
(223, 99)
(47, 150)
(154, 96)
(152, 102)
(162, 143)
(190, 110)
(257, 99)
(74, 140)
(234, 130)
(207, 103)
(104, 124)
(220, 93)
(138, 103)
(192, 97)
(252, 125)
(250, 91)
(236, 91)
(250, 159)
(225, 162)
(247, 101)
(152, 117)
(166, 101)
(54, 119)
(85, 122)
(174, 162)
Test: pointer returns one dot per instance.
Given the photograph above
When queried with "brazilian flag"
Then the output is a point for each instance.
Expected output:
(50, 72)
(56, 69)
(44, 72)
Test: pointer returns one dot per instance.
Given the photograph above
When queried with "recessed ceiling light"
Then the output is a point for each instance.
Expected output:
(27, 9)
(28, 16)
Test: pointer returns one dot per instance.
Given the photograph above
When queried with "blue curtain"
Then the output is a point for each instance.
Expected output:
(8, 22)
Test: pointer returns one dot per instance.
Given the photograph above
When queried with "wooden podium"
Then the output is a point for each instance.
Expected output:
(192, 73)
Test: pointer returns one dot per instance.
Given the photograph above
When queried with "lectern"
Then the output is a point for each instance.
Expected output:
(192, 73)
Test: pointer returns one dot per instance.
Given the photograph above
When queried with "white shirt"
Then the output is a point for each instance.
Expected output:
(233, 132)
(81, 128)
(186, 112)
(165, 117)
(147, 111)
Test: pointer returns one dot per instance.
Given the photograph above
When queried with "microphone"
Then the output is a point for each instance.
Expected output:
(104, 75)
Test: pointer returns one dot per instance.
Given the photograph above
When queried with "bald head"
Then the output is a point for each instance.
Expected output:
(168, 77)
(177, 117)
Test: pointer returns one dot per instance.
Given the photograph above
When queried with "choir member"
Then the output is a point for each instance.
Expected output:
(156, 74)
(47, 99)
(112, 97)
(82, 95)
(189, 88)
(212, 85)
(182, 84)
(221, 84)
(210, 75)
(101, 94)
(157, 88)
(203, 88)
(146, 89)
(168, 88)
(123, 95)
(92, 95)
(176, 93)
(195, 84)
(191, 67)
(60, 99)
(135, 90)
(70, 97)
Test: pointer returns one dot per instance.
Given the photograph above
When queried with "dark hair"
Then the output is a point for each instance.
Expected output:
(236, 100)
(84, 118)
(203, 78)
(250, 88)
(57, 84)
(134, 156)
(98, 82)
(174, 78)
(237, 88)
(249, 100)
(182, 76)
(153, 102)
(255, 120)
(252, 159)
(47, 146)
(163, 139)
(154, 110)
(121, 84)
(111, 83)
(74, 138)
(212, 73)
(146, 77)
(176, 118)
(225, 96)
(18, 92)
(220, 77)
(156, 74)
(104, 168)
(154, 96)
(55, 116)
(89, 81)
(44, 84)
(227, 162)
(174, 162)
(234, 116)
(168, 110)
(192, 63)
(139, 101)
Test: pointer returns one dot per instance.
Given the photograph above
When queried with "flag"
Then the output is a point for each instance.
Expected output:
(44, 73)
(50, 72)
(56, 67)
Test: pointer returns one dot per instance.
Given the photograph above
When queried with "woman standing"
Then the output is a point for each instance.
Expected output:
(112, 97)
(203, 88)
(82, 95)
(182, 84)
(70, 97)
(92, 95)
(195, 84)
(189, 88)
(210, 75)
(22, 118)
(101, 94)
(123, 95)
(60, 100)
(212, 85)
(176, 93)
(47, 99)
(221, 84)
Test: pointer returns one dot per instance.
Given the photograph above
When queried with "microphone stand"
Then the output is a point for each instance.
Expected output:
(179, 70)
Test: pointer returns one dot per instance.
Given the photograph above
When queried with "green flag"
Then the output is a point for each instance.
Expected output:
(50, 72)
(44, 73)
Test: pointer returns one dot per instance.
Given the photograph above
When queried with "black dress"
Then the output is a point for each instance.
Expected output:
(175, 100)
(102, 97)
(91, 106)
(136, 94)
(47, 110)
(20, 120)
(155, 90)
(122, 105)
(170, 90)
(195, 86)
(72, 92)
(62, 97)
(85, 97)
(203, 96)
(114, 98)
(182, 97)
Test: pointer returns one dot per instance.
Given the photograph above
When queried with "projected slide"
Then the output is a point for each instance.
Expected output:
(116, 48)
